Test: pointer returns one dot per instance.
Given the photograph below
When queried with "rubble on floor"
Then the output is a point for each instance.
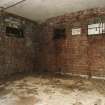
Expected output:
(32, 90)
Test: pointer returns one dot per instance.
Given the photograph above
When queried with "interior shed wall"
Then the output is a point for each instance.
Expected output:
(39, 51)
(78, 54)
(17, 54)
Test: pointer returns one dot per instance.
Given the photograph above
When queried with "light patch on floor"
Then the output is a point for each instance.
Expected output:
(52, 91)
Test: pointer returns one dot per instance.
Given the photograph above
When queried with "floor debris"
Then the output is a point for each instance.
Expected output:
(33, 90)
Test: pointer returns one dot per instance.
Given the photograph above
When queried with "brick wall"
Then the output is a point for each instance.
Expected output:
(18, 54)
(39, 51)
(79, 54)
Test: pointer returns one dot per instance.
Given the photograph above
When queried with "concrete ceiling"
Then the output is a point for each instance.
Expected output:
(40, 10)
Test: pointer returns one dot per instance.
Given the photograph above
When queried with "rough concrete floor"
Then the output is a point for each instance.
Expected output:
(38, 90)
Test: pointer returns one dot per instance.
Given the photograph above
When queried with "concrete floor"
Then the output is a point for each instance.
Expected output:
(38, 90)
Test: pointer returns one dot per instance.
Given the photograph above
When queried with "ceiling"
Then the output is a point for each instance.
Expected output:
(40, 10)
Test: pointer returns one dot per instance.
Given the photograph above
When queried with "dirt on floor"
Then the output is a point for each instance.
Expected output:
(52, 90)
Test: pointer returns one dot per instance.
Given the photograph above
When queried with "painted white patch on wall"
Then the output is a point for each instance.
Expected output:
(76, 31)
(97, 28)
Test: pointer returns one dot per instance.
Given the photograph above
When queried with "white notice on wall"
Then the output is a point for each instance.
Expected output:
(76, 31)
